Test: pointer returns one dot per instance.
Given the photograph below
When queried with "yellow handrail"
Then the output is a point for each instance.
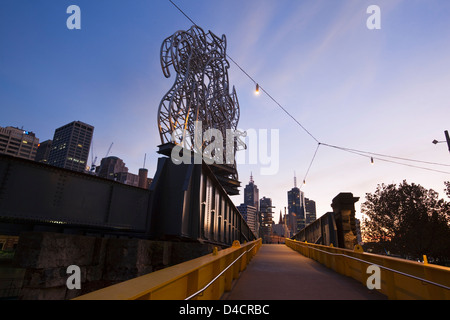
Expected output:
(192, 279)
(399, 278)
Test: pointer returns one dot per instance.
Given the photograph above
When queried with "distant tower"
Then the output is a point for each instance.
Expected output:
(295, 180)
(143, 176)
(251, 194)
(296, 208)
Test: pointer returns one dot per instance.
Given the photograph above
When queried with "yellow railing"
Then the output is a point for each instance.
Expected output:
(400, 279)
(204, 278)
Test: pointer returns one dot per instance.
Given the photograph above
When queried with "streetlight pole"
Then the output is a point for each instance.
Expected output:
(447, 137)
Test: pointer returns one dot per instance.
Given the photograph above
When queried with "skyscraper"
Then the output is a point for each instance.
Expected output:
(296, 209)
(265, 205)
(251, 194)
(310, 208)
(19, 143)
(71, 145)
(251, 217)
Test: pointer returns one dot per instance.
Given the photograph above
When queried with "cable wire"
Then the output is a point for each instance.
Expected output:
(386, 156)
(310, 165)
(254, 81)
(385, 160)
(354, 151)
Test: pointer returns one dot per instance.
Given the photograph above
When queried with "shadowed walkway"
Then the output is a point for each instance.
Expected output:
(279, 273)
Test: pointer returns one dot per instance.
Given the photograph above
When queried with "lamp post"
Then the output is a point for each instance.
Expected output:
(447, 137)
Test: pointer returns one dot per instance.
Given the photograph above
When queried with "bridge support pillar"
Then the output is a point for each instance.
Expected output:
(344, 212)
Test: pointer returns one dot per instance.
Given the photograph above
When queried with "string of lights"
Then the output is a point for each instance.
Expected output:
(386, 160)
(384, 156)
(367, 154)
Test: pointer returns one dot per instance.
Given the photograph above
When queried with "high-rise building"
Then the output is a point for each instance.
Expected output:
(265, 207)
(113, 168)
(71, 145)
(251, 194)
(296, 209)
(19, 143)
(251, 216)
(43, 151)
(110, 166)
(310, 208)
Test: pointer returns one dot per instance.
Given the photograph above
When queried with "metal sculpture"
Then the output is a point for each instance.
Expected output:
(200, 94)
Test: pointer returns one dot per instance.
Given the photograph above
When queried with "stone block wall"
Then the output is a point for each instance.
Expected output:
(102, 261)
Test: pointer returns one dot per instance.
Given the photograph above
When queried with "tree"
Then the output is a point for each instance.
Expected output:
(407, 220)
(447, 188)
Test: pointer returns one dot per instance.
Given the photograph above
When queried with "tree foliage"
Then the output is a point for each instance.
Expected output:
(408, 220)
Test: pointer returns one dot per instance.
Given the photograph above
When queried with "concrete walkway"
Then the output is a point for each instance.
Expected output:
(279, 273)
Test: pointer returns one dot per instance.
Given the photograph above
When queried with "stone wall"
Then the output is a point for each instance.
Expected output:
(103, 261)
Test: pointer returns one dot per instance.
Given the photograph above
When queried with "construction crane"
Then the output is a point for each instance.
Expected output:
(109, 150)
(92, 170)
(93, 166)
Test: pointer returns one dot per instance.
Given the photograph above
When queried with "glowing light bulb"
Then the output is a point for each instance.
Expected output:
(371, 160)
(257, 89)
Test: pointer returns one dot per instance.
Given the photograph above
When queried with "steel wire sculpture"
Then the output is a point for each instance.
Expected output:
(200, 93)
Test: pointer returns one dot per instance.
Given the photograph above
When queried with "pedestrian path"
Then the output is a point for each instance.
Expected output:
(280, 273)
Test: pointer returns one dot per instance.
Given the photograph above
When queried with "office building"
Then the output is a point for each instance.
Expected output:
(310, 208)
(265, 207)
(110, 166)
(71, 145)
(43, 151)
(113, 168)
(250, 215)
(18, 143)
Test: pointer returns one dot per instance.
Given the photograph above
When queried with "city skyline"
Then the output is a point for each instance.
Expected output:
(382, 91)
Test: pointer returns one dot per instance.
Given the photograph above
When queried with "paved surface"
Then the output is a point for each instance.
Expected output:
(280, 273)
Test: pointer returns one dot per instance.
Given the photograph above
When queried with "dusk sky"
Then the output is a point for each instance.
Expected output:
(385, 91)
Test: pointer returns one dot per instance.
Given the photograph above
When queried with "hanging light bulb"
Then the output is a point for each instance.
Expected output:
(304, 181)
(371, 160)
(257, 89)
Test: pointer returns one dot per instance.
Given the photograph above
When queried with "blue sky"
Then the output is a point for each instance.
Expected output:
(384, 91)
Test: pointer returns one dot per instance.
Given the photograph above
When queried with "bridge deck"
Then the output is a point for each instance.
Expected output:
(279, 273)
